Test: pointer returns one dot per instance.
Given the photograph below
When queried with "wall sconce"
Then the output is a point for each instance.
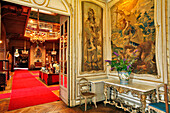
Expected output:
(16, 54)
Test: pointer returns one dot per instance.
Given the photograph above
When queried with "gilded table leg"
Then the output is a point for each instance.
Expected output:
(80, 100)
(153, 97)
(143, 102)
(105, 93)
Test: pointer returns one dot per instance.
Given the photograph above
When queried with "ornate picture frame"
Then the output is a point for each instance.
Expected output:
(92, 37)
(133, 28)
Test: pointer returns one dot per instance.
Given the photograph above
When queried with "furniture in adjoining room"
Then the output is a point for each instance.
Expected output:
(49, 78)
(84, 90)
(3, 79)
(38, 64)
(162, 105)
(23, 64)
(4, 66)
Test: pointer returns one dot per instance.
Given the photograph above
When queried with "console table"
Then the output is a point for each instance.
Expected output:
(137, 89)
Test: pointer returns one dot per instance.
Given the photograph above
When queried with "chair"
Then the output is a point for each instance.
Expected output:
(84, 90)
(162, 105)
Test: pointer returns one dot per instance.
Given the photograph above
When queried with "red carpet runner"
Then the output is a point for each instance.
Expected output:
(28, 91)
(6, 95)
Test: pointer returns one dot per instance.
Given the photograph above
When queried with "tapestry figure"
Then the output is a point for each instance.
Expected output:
(132, 25)
(92, 39)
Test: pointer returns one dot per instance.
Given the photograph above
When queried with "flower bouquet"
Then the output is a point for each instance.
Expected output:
(123, 66)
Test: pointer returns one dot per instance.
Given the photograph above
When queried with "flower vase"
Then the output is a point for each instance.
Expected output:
(124, 77)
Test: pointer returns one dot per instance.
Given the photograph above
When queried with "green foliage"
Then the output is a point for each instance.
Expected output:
(122, 64)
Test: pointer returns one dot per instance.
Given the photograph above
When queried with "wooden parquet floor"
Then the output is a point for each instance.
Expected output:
(58, 107)
(54, 107)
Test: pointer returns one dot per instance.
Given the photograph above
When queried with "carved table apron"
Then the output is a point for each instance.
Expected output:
(140, 90)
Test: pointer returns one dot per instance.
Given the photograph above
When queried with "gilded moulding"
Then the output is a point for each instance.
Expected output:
(60, 9)
(157, 26)
(143, 79)
(29, 1)
(89, 73)
(40, 4)
(94, 75)
(44, 5)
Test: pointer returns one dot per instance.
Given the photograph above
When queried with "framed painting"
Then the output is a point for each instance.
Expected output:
(92, 37)
(38, 52)
(133, 29)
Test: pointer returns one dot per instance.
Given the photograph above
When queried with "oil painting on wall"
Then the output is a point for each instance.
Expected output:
(132, 29)
(92, 37)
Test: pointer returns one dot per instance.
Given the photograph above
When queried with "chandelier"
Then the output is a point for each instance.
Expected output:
(37, 36)
(53, 52)
(25, 50)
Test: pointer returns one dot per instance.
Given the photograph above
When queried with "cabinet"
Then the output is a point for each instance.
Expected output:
(3, 79)
(4, 67)
(38, 64)
(49, 78)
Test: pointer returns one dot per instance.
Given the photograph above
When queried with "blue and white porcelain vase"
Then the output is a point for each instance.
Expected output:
(124, 77)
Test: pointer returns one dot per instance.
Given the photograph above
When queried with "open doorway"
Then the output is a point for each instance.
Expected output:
(52, 54)
(49, 55)
(20, 59)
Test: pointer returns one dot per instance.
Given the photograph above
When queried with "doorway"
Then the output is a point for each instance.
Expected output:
(20, 59)
(63, 58)
(45, 51)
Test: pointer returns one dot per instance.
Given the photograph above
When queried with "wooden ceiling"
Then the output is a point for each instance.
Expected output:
(14, 18)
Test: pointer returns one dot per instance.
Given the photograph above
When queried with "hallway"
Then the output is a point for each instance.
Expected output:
(28, 91)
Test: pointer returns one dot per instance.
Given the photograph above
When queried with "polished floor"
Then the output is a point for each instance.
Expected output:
(53, 107)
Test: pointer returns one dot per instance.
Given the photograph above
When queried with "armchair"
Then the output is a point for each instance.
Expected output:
(162, 106)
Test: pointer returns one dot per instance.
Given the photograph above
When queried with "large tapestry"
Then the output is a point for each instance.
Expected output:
(92, 37)
(132, 29)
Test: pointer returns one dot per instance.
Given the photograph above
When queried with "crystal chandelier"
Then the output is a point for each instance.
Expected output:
(37, 36)
(25, 51)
